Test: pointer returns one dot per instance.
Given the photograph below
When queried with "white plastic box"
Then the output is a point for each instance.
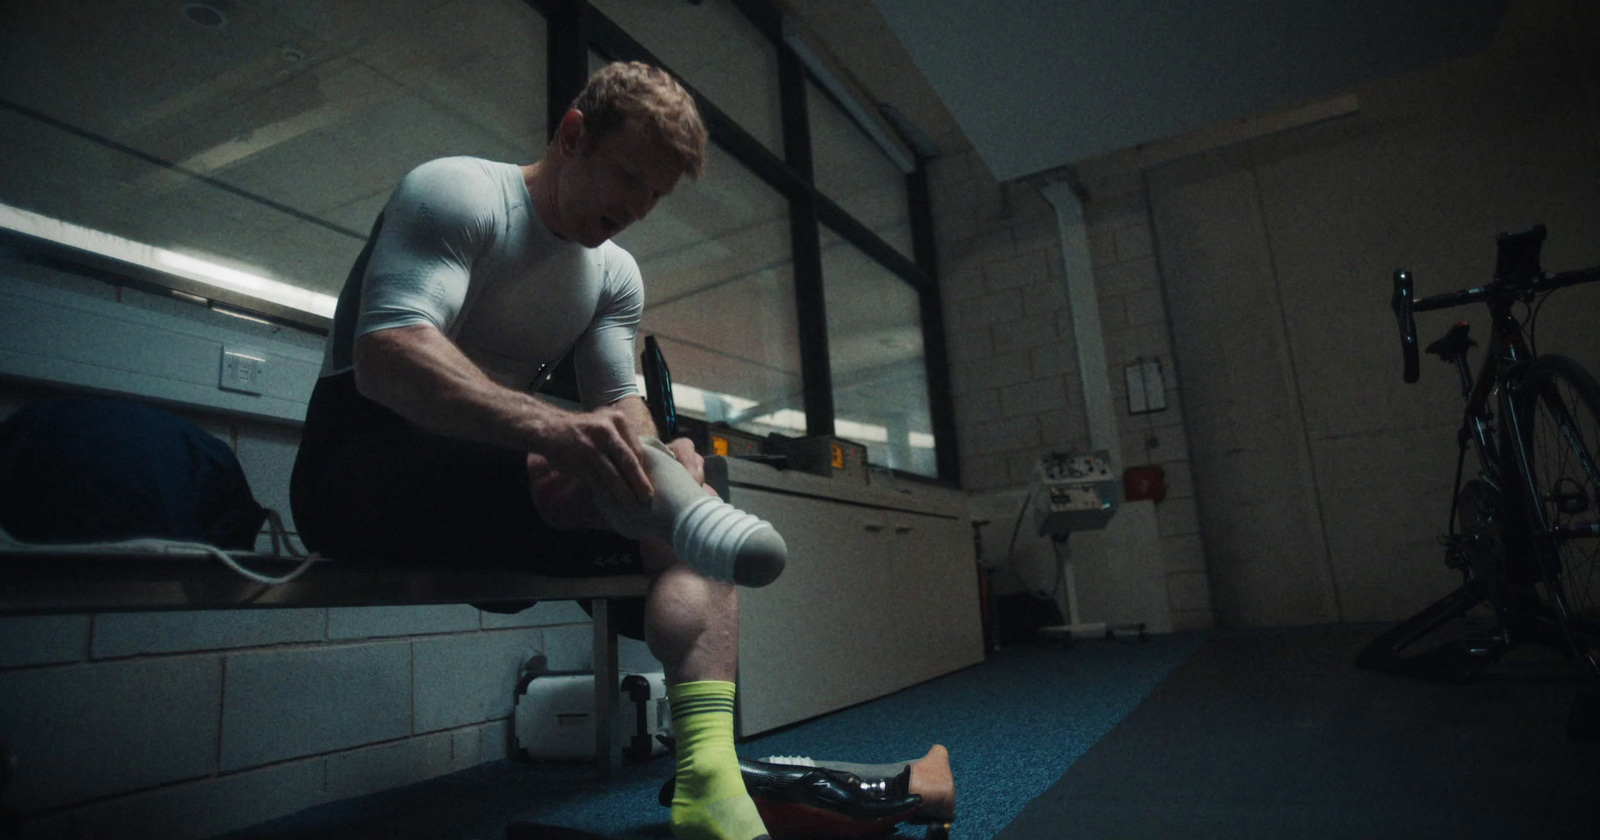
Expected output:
(555, 716)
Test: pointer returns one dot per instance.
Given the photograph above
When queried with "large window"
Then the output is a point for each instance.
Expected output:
(711, 45)
(238, 154)
(853, 170)
(719, 287)
(246, 145)
(880, 382)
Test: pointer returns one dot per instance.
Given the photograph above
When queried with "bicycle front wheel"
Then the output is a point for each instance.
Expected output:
(1558, 409)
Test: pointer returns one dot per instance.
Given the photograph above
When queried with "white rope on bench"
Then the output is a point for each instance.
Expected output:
(152, 545)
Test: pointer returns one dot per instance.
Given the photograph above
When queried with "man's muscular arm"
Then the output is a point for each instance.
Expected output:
(682, 448)
(565, 500)
(421, 375)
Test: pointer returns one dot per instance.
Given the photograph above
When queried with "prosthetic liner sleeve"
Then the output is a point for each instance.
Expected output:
(715, 538)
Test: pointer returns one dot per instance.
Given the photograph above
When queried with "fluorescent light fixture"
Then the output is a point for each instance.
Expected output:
(688, 398)
(785, 418)
(243, 316)
(864, 432)
(166, 261)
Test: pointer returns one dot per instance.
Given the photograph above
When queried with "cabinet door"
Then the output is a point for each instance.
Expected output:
(939, 627)
(818, 638)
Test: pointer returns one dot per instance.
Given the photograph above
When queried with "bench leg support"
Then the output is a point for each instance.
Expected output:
(605, 688)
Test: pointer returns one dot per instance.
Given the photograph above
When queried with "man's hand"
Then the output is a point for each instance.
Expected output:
(600, 448)
(683, 450)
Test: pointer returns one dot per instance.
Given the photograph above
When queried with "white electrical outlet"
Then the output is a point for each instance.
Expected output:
(242, 371)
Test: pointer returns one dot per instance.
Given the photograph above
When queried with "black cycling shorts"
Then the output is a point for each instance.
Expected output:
(367, 484)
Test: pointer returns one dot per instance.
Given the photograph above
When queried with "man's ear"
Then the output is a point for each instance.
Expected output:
(569, 134)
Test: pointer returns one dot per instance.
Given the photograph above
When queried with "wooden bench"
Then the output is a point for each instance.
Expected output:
(57, 583)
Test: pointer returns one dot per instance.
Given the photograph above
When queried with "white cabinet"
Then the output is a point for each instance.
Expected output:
(934, 597)
(880, 593)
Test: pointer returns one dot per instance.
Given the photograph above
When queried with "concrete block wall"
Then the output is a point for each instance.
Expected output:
(1014, 364)
(191, 724)
(1133, 316)
(1325, 481)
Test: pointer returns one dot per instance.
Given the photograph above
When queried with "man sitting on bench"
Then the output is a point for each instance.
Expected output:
(423, 440)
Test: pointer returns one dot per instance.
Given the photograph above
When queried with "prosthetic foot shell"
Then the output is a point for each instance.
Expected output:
(798, 802)
(931, 778)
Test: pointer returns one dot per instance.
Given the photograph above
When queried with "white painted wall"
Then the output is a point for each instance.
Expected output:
(1323, 481)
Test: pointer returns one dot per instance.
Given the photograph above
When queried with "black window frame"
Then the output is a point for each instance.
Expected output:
(576, 27)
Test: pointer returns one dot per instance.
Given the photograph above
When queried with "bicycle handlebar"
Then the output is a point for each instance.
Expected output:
(1540, 283)
(1405, 305)
(1402, 305)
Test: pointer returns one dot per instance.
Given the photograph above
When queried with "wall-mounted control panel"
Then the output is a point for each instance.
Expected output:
(1072, 492)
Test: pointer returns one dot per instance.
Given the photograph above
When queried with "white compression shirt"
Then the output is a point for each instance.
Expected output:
(461, 247)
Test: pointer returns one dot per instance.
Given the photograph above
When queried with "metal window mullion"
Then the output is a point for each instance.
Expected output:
(766, 19)
(868, 242)
(811, 311)
(566, 57)
(936, 357)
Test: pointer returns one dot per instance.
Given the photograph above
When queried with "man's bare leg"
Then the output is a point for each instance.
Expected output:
(691, 621)
(692, 627)
(691, 624)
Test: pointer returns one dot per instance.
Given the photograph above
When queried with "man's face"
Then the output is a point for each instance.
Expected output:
(607, 186)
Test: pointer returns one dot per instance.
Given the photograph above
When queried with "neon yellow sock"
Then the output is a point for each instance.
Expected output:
(710, 801)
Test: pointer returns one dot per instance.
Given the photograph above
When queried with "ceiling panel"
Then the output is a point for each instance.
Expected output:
(1038, 84)
(298, 117)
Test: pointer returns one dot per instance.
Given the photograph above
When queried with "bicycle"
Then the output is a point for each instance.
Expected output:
(1525, 531)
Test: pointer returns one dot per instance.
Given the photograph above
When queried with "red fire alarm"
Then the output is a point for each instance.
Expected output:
(1140, 483)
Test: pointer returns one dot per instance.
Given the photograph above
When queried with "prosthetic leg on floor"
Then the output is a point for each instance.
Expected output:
(798, 802)
(800, 797)
(928, 777)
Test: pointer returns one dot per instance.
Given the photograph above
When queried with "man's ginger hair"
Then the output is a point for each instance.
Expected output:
(632, 90)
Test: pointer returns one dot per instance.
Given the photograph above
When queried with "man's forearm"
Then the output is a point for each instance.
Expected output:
(422, 376)
(638, 415)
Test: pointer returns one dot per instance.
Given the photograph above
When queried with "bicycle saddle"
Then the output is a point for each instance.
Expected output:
(1454, 343)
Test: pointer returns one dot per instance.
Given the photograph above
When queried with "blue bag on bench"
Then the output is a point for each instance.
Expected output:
(100, 470)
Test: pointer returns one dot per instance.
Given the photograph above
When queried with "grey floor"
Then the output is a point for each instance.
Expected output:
(1279, 735)
(1272, 734)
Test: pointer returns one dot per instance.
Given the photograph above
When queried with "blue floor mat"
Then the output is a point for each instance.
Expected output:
(1013, 725)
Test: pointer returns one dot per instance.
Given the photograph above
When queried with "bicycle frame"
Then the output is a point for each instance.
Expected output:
(1500, 555)
(1506, 348)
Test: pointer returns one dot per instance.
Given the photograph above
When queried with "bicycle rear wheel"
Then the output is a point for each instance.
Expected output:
(1558, 409)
